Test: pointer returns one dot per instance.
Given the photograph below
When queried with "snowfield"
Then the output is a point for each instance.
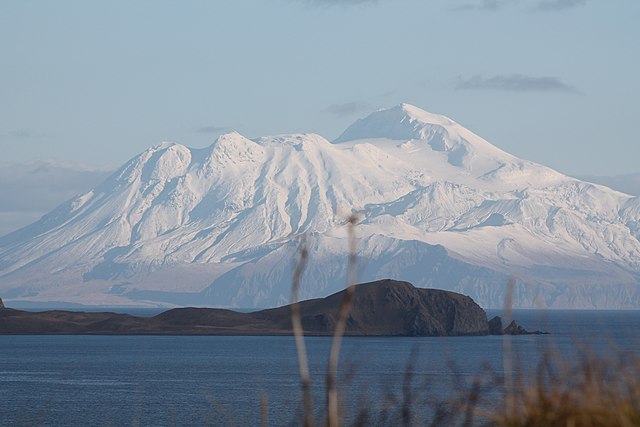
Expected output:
(438, 206)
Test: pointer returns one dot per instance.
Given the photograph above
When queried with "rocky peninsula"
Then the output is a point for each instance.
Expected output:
(380, 308)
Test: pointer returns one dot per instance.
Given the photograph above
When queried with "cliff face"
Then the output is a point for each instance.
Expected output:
(390, 307)
(383, 308)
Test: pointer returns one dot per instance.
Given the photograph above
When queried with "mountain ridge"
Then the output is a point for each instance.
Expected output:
(222, 224)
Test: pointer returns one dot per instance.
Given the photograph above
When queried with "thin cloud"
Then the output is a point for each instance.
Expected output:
(24, 133)
(324, 3)
(484, 5)
(514, 83)
(347, 109)
(29, 190)
(537, 6)
(208, 130)
(21, 134)
(554, 5)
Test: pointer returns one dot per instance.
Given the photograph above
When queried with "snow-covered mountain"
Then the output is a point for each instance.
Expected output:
(439, 206)
(627, 183)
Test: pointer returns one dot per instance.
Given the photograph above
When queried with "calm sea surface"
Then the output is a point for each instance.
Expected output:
(159, 380)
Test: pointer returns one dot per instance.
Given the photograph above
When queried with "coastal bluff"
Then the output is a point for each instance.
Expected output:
(380, 308)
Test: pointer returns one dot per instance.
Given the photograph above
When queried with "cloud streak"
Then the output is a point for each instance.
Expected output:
(325, 3)
(211, 129)
(484, 5)
(514, 83)
(536, 6)
(555, 5)
(29, 190)
(23, 133)
(347, 109)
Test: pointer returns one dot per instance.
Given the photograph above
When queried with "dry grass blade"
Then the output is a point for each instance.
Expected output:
(264, 410)
(407, 392)
(598, 392)
(298, 332)
(332, 393)
(471, 401)
(507, 357)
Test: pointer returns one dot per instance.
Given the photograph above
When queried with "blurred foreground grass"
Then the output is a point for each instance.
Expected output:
(595, 391)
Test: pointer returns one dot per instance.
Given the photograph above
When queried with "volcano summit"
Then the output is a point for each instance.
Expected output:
(439, 207)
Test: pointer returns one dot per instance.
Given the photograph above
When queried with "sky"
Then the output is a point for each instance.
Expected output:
(95, 83)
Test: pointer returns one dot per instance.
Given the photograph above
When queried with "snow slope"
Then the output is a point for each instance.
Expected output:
(439, 206)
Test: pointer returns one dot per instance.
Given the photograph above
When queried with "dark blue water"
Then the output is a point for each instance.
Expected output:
(157, 380)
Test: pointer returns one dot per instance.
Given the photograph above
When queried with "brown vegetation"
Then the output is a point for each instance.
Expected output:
(596, 392)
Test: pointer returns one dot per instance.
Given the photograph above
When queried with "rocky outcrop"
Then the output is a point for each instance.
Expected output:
(381, 308)
(495, 328)
(389, 307)
(1, 304)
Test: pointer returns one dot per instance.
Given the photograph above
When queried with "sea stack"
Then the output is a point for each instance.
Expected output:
(1, 304)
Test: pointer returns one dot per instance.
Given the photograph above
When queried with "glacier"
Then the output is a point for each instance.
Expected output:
(438, 206)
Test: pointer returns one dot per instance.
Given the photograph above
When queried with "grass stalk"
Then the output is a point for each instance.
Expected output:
(264, 410)
(333, 416)
(507, 357)
(296, 322)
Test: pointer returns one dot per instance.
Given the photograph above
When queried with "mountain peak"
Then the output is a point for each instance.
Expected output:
(232, 134)
(440, 206)
(402, 122)
(413, 113)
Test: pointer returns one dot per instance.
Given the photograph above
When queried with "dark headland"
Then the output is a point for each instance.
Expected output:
(381, 308)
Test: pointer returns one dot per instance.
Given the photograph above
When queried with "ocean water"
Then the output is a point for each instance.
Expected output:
(184, 380)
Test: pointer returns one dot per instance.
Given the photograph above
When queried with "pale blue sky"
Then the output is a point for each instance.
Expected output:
(554, 81)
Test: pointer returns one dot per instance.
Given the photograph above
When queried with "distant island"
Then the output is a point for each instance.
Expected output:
(380, 308)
